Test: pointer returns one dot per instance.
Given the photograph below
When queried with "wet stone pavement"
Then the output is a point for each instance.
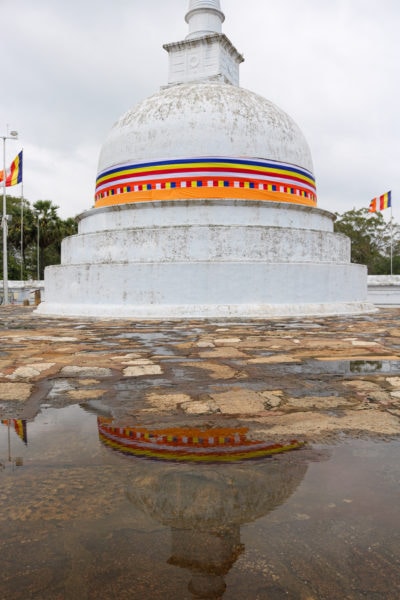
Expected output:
(316, 378)
(127, 458)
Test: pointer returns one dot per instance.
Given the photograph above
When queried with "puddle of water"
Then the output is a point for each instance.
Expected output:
(295, 325)
(80, 520)
(335, 367)
(149, 337)
(153, 341)
(375, 366)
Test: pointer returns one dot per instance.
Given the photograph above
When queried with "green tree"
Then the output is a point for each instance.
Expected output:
(20, 235)
(370, 237)
(17, 243)
(48, 234)
(27, 226)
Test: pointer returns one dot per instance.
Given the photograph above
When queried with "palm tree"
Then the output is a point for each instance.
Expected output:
(34, 240)
(48, 234)
(20, 236)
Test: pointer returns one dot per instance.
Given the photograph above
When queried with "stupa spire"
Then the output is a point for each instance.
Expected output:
(204, 17)
(206, 54)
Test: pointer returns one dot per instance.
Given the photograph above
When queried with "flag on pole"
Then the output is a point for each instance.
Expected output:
(381, 202)
(14, 173)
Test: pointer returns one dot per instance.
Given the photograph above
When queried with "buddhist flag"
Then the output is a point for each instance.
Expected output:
(381, 202)
(14, 173)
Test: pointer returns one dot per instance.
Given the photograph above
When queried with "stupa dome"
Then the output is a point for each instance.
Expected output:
(185, 134)
(205, 119)
(203, 135)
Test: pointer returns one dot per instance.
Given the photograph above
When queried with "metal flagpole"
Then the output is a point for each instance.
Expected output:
(391, 239)
(13, 135)
(4, 226)
(22, 230)
(38, 248)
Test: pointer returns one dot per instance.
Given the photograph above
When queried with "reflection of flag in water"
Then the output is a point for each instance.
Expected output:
(19, 427)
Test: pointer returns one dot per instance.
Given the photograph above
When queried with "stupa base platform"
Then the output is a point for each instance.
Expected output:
(203, 311)
(220, 259)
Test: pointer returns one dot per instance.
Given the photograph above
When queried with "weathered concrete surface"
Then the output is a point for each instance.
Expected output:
(384, 290)
(315, 378)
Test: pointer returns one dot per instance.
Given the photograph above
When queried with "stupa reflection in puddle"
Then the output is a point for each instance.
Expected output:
(203, 502)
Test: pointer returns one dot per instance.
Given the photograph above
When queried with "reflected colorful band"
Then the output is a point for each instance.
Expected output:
(188, 444)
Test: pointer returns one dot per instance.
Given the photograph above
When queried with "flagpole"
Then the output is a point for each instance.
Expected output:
(22, 230)
(4, 226)
(391, 239)
(13, 135)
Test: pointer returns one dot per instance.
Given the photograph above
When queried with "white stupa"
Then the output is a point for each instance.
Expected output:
(205, 205)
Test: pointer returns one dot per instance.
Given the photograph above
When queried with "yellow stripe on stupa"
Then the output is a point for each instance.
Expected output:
(234, 166)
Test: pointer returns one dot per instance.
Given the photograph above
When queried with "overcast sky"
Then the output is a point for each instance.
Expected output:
(69, 69)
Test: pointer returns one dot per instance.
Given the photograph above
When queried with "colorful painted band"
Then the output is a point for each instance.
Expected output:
(210, 178)
(207, 193)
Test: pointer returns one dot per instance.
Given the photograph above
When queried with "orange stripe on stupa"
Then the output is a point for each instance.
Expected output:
(198, 193)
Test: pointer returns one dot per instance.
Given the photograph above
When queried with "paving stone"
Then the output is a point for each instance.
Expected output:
(224, 352)
(198, 407)
(379, 396)
(223, 341)
(216, 370)
(30, 371)
(318, 402)
(239, 401)
(75, 371)
(273, 399)
(167, 401)
(141, 370)
(19, 392)
(394, 381)
(360, 384)
(275, 358)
